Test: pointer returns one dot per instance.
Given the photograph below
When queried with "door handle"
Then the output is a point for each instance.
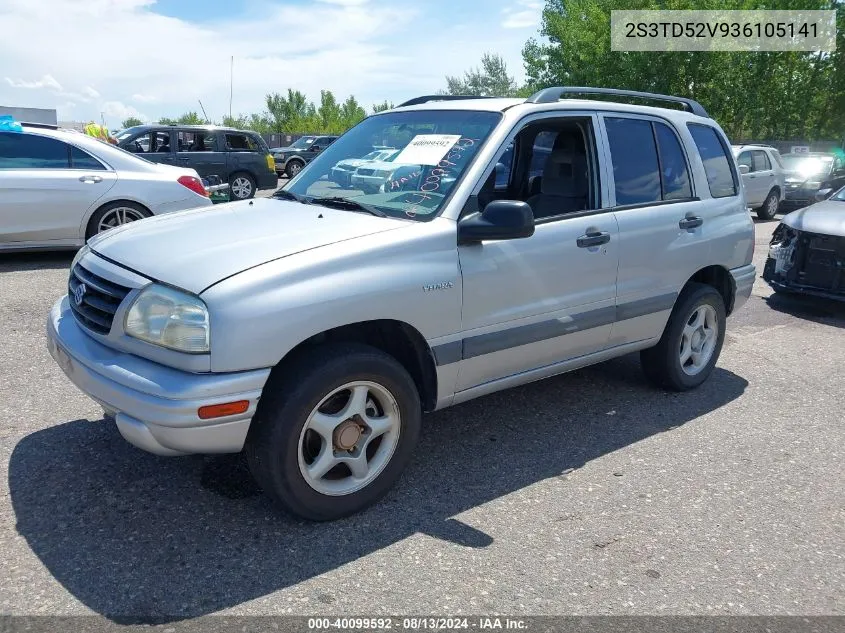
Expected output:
(691, 222)
(593, 239)
(752, 176)
(90, 179)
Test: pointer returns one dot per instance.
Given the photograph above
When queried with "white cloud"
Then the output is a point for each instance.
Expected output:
(120, 111)
(47, 81)
(525, 15)
(374, 49)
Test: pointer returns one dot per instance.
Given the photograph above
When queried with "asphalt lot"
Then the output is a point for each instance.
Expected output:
(588, 493)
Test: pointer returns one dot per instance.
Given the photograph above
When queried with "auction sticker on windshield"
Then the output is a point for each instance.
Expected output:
(427, 149)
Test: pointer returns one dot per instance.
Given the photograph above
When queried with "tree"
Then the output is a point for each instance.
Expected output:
(131, 122)
(351, 113)
(753, 95)
(190, 118)
(167, 121)
(490, 80)
(240, 122)
(288, 114)
(381, 107)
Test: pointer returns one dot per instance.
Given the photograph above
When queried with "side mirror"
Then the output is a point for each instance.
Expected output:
(744, 169)
(316, 148)
(500, 220)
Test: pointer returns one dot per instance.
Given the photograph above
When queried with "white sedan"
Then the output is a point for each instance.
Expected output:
(60, 187)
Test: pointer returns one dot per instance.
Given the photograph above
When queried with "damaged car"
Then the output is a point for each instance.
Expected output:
(807, 251)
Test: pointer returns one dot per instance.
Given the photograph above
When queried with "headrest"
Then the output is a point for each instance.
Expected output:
(565, 171)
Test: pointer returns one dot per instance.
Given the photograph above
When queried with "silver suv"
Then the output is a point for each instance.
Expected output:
(313, 329)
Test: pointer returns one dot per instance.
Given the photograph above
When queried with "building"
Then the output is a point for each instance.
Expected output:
(31, 115)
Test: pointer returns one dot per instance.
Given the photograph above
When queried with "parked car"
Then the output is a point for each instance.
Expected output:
(807, 251)
(763, 178)
(341, 173)
(312, 329)
(291, 160)
(238, 157)
(60, 187)
(811, 174)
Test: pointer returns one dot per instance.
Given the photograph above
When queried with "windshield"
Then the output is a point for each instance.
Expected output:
(839, 196)
(808, 165)
(433, 149)
(303, 142)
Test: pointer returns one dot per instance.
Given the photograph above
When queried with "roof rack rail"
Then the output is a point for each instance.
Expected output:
(551, 95)
(427, 98)
(45, 126)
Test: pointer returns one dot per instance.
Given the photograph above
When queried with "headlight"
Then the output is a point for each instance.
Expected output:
(79, 255)
(279, 156)
(170, 318)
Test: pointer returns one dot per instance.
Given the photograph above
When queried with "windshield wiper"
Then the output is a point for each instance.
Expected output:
(345, 203)
(281, 194)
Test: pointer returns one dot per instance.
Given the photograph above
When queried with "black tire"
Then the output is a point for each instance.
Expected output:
(770, 206)
(272, 447)
(661, 363)
(293, 167)
(244, 184)
(94, 222)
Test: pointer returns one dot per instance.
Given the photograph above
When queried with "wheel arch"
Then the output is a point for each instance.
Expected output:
(86, 220)
(400, 340)
(720, 279)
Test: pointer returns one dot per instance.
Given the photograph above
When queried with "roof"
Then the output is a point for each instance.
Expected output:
(209, 127)
(553, 99)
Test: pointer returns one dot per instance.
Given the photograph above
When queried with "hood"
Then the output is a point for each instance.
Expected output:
(826, 217)
(197, 248)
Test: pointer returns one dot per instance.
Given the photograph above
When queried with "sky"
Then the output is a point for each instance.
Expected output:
(154, 58)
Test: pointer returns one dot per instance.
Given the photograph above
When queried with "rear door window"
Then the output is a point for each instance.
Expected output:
(80, 159)
(674, 173)
(636, 171)
(30, 151)
(720, 176)
(761, 161)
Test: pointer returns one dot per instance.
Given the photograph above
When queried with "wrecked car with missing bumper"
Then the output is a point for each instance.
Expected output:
(807, 251)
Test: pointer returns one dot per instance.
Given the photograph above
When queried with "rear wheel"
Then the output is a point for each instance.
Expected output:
(334, 432)
(242, 186)
(691, 342)
(115, 214)
(770, 206)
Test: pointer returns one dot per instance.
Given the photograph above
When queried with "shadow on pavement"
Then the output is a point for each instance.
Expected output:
(140, 538)
(36, 260)
(816, 309)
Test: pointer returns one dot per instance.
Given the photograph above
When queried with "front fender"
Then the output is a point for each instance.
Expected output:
(409, 275)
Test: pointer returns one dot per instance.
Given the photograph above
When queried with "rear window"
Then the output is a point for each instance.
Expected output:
(720, 177)
(30, 151)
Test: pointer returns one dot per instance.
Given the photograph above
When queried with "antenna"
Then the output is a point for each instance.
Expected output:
(203, 112)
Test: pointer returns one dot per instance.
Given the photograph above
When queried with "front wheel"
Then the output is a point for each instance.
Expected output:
(293, 168)
(333, 433)
(691, 342)
(770, 206)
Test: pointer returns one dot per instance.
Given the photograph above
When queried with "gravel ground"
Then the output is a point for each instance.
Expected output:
(588, 493)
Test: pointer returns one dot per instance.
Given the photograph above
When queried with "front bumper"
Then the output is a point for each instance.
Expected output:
(154, 406)
(809, 263)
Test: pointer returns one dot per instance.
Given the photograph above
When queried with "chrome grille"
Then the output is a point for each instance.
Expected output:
(99, 302)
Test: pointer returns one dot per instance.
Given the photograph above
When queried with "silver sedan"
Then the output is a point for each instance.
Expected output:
(60, 187)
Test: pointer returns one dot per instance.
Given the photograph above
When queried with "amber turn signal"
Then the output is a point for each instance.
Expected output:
(221, 410)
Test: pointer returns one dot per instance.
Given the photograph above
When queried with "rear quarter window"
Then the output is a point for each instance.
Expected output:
(714, 155)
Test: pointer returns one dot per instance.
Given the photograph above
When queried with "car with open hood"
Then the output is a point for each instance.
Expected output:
(311, 330)
(342, 172)
(807, 251)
